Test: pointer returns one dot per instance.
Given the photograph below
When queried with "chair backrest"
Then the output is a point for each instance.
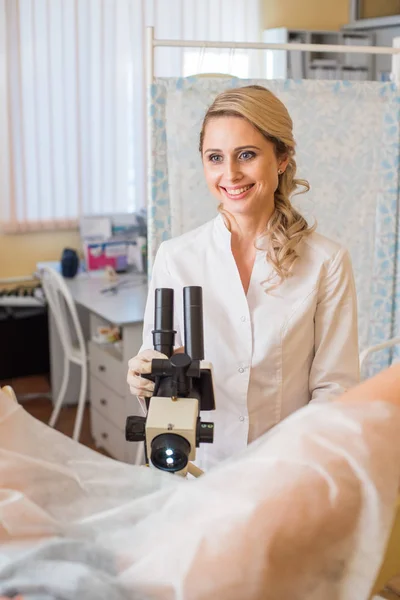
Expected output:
(10, 392)
(213, 75)
(390, 343)
(63, 310)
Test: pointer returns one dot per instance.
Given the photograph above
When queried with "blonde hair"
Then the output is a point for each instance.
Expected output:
(287, 227)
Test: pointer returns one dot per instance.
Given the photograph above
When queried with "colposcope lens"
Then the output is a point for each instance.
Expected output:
(170, 452)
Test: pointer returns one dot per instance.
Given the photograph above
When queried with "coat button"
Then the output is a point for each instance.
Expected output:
(241, 370)
(241, 418)
(243, 319)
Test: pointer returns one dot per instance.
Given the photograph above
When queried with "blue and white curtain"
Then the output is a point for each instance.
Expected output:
(347, 137)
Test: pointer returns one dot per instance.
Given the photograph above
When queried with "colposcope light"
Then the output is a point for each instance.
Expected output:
(170, 452)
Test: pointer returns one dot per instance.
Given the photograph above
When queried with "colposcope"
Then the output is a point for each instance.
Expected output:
(173, 429)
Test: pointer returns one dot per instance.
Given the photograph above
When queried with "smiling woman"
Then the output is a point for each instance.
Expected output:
(280, 322)
(261, 173)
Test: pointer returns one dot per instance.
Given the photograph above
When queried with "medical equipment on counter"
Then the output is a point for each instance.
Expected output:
(115, 240)
(173, 429)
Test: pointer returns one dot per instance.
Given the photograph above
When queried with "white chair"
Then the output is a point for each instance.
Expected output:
(63, 310)
(372, 349)
(10, 392)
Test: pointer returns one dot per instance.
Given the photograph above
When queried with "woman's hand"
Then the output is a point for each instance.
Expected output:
(140, 365)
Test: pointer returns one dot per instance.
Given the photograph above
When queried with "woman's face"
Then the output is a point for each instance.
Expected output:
(240, 166)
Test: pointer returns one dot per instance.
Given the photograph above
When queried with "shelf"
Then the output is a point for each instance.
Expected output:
(366, 24)
(317, 64)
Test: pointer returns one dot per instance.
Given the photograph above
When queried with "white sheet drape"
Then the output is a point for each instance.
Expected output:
(72, 97)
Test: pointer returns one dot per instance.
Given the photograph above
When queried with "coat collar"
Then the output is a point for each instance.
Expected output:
(223, 236)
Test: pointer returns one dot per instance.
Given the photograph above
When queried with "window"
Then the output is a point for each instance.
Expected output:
(72, 97)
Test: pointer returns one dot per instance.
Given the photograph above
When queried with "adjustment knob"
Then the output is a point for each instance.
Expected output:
(180, 360)
(205, 432)
(135, 429)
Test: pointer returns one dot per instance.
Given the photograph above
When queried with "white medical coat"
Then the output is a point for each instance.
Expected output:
(272, 353)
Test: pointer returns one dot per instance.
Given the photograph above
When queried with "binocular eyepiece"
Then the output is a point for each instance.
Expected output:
(183, 387)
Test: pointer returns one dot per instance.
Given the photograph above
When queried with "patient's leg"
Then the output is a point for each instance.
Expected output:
(304, 515)
(384, 386)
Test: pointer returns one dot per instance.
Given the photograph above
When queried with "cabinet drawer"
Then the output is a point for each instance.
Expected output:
(107, 403)
(108, 436)
(109, 370)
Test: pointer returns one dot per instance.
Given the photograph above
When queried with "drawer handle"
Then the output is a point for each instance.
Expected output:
(102, 368)
(104, 436)
(103, 402)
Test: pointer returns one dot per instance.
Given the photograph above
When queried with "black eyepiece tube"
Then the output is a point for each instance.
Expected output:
(163, 333)
(193, 320)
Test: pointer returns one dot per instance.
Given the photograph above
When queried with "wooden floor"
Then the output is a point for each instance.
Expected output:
(41, 407)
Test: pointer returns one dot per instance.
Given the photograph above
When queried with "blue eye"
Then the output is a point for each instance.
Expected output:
(215, 158)
(247, 155)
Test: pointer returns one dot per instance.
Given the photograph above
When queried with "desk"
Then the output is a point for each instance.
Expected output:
(108, 392)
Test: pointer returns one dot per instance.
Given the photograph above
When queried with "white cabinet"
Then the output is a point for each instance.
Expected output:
(110, 399)
(111, 438)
